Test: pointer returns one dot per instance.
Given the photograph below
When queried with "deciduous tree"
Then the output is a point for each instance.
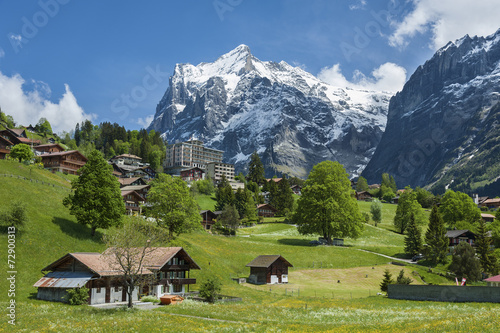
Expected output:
(327, 206)
(172, 206)
(376, 211)
(408, 205)
(22, 152)
(362, 184)
(96, 199)
(458, 206)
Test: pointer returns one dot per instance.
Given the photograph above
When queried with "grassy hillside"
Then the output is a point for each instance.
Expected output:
(324, 303)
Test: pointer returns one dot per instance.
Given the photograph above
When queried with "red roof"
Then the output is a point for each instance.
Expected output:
(493, 279)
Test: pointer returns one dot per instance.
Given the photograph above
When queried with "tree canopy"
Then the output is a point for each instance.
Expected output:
(362, 184)
(224, 194)
(408, 205)
(458, 206)
(172, 206)
(464, 262)
(96, 199)
(376, 211)
(413, 239)
(22, 152)
(327, 206)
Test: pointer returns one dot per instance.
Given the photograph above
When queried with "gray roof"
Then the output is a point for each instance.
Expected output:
(266, 261)
(64, 280)
(456, 233)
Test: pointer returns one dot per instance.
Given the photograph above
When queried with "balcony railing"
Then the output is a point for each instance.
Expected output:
(177, 281)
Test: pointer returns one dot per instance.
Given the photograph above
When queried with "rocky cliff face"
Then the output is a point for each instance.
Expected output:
(439, 123)
(240, 104)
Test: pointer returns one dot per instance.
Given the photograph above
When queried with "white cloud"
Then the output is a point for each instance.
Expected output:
(2, 53)
(144, 122)
(360, 4)
(27, 107)
(447, 20)
(387, 77)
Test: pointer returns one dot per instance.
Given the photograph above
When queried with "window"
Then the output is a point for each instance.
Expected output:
(98, 291)
(177, 288)
(118, 289)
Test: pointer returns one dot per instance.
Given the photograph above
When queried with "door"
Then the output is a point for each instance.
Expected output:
(274, 279)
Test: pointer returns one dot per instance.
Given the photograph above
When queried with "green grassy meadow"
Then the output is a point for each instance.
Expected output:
(318, 303)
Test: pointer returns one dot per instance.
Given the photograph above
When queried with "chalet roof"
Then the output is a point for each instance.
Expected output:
(134, 187)
(64, 279)
(50, 145)
(128, 181)
(365, 193)
(276, 180)
(193, 168)
(159, 257)
(204, 213)
(94, 261)
(127, 156)
(127, 192)
(6, 141)
(485, 215)
(482, 199)
(267, 260)
(456, 233)
(495, 278)
(20, 132)
(491, 201)
(62, 153)
(263, 205)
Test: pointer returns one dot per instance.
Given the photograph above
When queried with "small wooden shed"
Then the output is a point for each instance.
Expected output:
(270, 269)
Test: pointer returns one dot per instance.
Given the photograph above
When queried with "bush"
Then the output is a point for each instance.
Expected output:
(151, 299)
(78, 296)
(210, 288)
(15, 217)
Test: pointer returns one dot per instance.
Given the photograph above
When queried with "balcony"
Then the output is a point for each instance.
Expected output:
(177, 281)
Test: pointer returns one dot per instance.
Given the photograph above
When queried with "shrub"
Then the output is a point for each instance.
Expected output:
(78, 296)
(210, 288)
(151, 299)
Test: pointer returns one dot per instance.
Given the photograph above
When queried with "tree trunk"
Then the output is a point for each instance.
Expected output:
(130, 291)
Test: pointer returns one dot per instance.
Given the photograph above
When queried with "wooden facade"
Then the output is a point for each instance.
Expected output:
(18, 135)
(208, 219)
(165, 271)
(363, 196)
(5, 147)
(457, 236)
(266, 210)
(268, 269)
(49, 148)
(66, 161)
(192, 174)
(133, 201)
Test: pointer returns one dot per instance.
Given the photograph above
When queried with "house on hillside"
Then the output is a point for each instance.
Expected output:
(296, 189)
(208, 218)
(457, 236)
(126, 159)
(132, 181)
(18, 135)
(49, 148)
(142, 190)
(493, 281)
(491, 203)
(65, 161)
(166, 267)
(5, 147)
(487, 217)
(192, 174)
(266, 210)
(270, 269)
(364, 196)
(133, 201)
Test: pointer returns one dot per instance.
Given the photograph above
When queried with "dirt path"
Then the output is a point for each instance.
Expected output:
(408, 261)
(206, 318)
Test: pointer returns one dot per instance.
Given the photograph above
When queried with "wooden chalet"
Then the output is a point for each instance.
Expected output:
(487, 217)
(127, 159)
(49, 148)
(133, 171)
(18, 135)
(268, 269)
(363, 196)
(457, 236)
(132, 181)
(5, 147)
(192, 174)
(491, 203)
(208, 218)
(133, 201)
(166, 268)
(266, 210)
(65, 161)
(296, 189)
(142, 190)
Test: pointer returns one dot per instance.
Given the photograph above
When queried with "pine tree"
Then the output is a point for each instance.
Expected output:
(224, 194)
(488, 260)
(402, 279)
(435, 237)
(256, 169)
(464, 262)
(386, 281)
(413, 239)
(362, 184)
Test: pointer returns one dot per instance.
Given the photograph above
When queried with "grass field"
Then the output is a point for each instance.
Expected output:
(323, 304)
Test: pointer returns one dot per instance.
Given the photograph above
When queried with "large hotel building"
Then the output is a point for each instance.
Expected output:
(192, 154)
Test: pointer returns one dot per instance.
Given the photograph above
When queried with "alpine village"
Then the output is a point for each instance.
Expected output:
(209, 220)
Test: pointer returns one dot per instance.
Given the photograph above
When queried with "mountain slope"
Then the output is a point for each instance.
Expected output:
(240, 104)
(442, 128)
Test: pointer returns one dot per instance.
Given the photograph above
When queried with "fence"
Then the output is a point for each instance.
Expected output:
(34, 181)
(444, 293)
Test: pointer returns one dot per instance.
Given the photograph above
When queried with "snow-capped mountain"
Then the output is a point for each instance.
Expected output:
(240, 104)
(443, 127)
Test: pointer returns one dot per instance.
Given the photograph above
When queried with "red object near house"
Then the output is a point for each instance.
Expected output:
(171, 299)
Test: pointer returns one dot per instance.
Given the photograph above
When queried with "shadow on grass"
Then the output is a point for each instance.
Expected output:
(33, 296)
(77, 230)
(401, 256)
(294, 242)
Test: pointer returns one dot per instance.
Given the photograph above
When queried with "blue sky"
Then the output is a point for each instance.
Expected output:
(68, 60)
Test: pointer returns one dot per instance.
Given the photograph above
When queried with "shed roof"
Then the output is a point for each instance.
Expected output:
(267, 260)
(64, 280)
(485, 215)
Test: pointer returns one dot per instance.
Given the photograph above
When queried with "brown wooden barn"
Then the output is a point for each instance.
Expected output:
(268, 269)
(266, 210)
